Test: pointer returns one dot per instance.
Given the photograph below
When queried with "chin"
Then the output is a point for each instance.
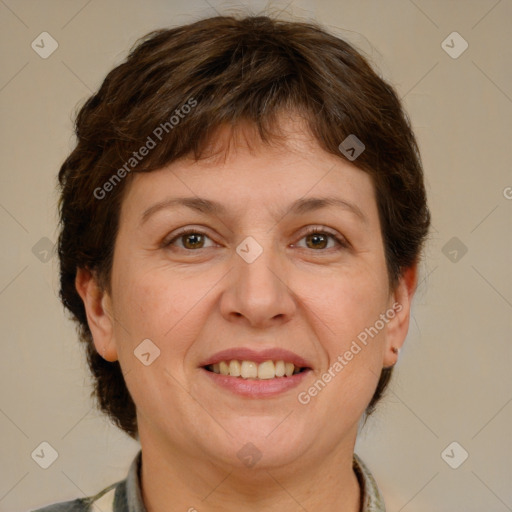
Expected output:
(261, 443)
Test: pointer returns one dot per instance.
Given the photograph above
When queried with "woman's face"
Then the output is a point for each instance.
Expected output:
(250, 282)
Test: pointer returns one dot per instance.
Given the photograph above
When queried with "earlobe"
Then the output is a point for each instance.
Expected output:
(398, 326)
(99, 317)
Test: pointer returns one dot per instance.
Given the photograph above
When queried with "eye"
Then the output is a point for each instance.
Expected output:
(316, 239)
(189, 240)
(319, 238)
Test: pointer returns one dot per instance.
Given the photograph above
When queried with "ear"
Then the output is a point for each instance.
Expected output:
(398, 325)
(97, 305)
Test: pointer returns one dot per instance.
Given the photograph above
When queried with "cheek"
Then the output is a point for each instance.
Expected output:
(347, 304)
(158, 305)
(346, 312)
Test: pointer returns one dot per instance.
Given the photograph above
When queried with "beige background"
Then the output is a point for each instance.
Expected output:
(454, 379)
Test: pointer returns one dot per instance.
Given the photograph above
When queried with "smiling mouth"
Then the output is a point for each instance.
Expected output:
(252, 370)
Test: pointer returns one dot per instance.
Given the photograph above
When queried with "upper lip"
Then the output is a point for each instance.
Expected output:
(260, 356)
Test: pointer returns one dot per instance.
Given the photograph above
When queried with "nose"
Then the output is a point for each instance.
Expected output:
(257, 294)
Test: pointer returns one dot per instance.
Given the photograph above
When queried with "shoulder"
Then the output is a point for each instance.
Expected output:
(77, 505)
(103, 501)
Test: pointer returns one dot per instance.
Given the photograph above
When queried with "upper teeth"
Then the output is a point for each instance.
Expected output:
(252, 370)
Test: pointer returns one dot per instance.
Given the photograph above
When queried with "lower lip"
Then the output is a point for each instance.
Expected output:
(257, 388)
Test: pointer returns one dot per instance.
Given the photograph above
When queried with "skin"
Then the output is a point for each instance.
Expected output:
(194, 302)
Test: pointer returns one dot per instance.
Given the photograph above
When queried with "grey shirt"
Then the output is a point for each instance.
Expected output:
(125, 496)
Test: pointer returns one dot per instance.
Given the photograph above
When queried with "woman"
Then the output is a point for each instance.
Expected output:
(241, 224)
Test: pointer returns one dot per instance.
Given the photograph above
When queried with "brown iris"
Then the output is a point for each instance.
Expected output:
(318, 241)
(193, 240)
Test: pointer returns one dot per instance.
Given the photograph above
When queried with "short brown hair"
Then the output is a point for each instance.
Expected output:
(229, 69)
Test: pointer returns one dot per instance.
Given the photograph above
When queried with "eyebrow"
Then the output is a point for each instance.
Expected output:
(298, 207)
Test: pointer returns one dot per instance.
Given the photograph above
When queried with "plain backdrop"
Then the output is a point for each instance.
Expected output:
(453, 382)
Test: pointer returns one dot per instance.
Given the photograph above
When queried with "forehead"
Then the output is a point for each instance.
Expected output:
(239, 171)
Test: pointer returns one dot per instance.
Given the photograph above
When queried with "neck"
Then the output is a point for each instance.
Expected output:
(170, 478)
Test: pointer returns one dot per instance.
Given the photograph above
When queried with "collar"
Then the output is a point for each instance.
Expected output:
(371, 499)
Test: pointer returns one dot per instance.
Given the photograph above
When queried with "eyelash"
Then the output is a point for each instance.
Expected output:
(342, 243)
